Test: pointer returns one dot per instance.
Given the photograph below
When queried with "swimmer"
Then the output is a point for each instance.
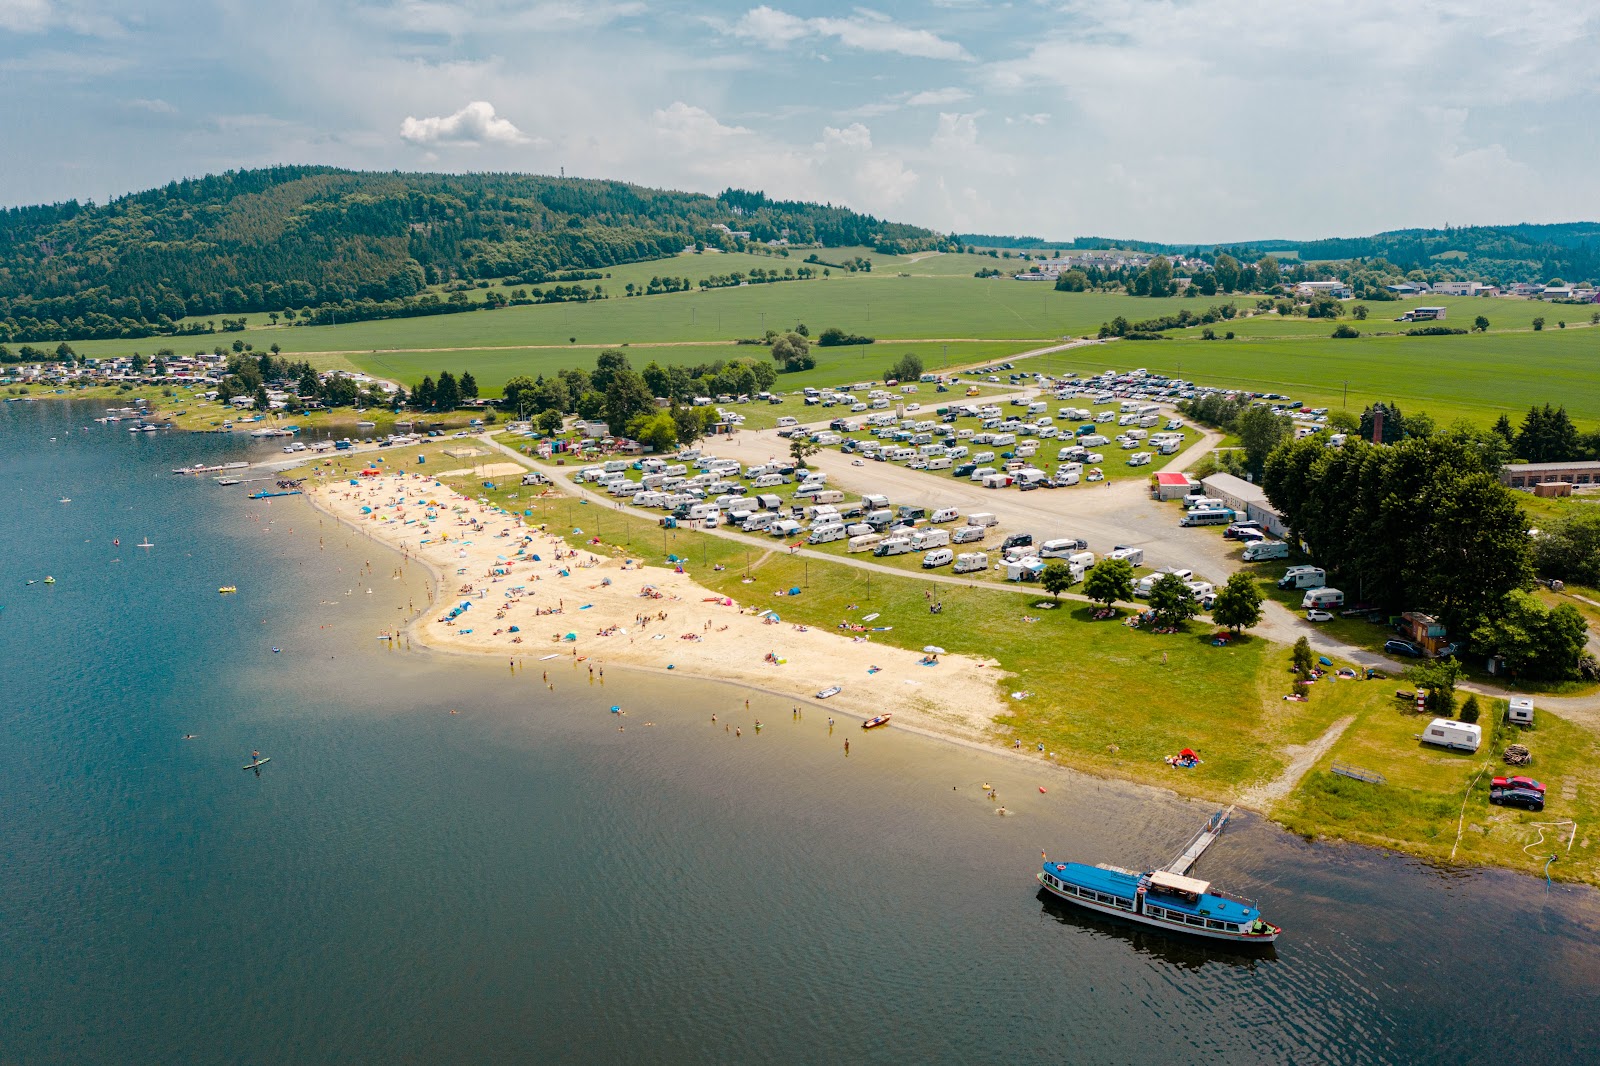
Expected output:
(190, 736)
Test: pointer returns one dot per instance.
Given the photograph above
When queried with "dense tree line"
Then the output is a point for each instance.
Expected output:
(1426, 525)
(1423, 524)
(302, 237)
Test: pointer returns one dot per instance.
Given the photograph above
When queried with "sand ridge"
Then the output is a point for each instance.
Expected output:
(525, 591)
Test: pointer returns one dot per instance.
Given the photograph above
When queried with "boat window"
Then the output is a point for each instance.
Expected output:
(1212, 923)
(1194, 919)
(1155, 912)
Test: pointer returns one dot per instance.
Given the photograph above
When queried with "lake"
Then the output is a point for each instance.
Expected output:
(523, 881)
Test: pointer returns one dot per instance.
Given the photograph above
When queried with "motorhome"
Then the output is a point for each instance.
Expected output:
(1132, 556)
(939, 557)
(1303, 577)
(1141, 459)
(971, 562)
(1263, 550)
(759, 522)
(944, 514)
(893, 546)
(930, 538)
(967, 534)
(982, 518)
(784, 528)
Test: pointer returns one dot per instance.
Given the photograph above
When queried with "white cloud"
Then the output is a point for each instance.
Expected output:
(155, 106)
(854, 135)
(868, 31)
(25, 16)
(938, 97)
(955, 133)
(40, 16)
(461, 18)
(1038, 118)
(890, 180)
(474, 124)
(693, 129)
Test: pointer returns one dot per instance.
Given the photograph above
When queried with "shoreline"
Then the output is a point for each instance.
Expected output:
(432, 637)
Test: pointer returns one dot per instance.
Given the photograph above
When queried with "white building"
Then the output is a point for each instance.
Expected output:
(1241, 495)
(1337, 289)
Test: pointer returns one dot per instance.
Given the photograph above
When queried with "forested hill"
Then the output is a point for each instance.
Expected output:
(1523, 252)
(309, 237)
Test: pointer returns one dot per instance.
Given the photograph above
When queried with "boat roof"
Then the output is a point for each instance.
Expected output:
(1179, 883)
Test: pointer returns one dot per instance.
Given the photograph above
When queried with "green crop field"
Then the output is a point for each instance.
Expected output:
(492, 367)
(950, 318)
(1475, 377)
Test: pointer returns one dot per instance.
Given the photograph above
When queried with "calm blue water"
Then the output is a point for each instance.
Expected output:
(522, 882)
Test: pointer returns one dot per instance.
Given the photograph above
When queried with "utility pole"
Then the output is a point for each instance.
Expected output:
(1346, 402)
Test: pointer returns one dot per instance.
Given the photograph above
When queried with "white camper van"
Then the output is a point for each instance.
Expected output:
(938, 557)
(967, 535)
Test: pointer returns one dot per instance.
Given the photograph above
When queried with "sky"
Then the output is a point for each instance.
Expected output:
(1173, 120)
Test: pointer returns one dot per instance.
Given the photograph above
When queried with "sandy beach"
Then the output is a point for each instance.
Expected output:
(506, 589)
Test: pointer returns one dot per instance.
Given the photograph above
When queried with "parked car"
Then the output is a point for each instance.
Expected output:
(1233, 531)
(1316, 615)
(1402, 647)
(1517, 792)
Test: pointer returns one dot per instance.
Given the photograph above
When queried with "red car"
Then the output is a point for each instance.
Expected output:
(1517, 792)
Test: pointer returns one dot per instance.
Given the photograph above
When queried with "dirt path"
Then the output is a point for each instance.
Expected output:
(1302, 757)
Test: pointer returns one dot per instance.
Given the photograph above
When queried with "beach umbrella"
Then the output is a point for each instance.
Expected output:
(933, 649)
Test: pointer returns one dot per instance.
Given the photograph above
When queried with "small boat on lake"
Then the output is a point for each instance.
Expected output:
(873, 723)
(228, 588)
(145, 543)
(831, 690)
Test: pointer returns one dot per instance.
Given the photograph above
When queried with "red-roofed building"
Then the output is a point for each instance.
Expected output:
(1171, 486)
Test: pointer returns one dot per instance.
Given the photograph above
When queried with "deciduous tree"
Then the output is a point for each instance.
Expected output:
(1110, 580)
(1238, 605)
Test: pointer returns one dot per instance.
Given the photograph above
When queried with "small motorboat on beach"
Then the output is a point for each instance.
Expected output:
(873, 723)
(831, 690)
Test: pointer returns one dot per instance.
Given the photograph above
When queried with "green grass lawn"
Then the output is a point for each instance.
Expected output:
(1420, 807)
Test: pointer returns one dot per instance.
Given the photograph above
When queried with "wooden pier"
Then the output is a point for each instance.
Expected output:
(1201, 841)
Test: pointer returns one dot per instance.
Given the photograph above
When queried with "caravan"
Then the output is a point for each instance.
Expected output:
(971, 562)
(1463, 736)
